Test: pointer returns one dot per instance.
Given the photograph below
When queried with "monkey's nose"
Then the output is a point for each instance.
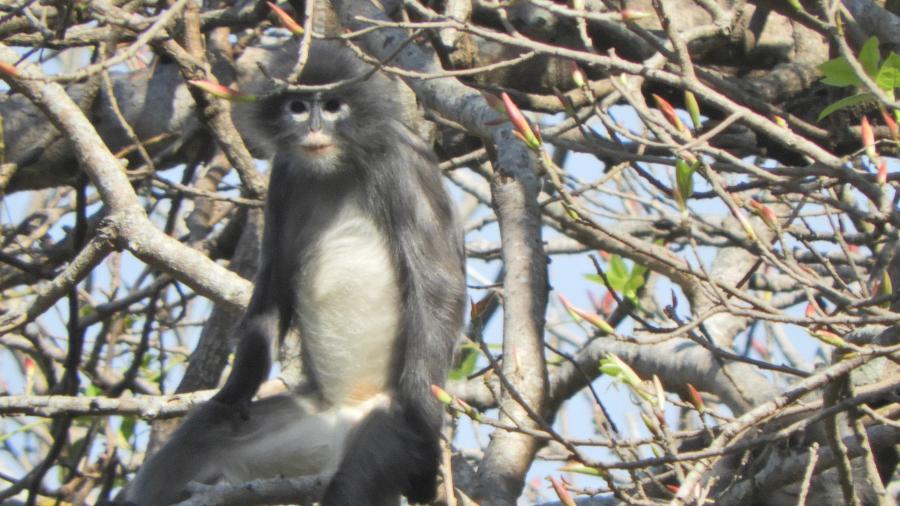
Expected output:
(315, 119)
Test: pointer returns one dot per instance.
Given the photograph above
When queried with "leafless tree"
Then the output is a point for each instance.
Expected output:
(734, 213)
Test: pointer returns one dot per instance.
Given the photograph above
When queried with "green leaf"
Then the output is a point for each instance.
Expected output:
(797, 6)
(638, 269)
(635, 283)
(575, 467)
(614, 367)
(693, 108)
(684, 177)
(869, 57)
(126, 429)
(466, 366)
(610, 370)
(888, 76)
(837, 72)
(595, 278)
(861, 98)
(618, 273)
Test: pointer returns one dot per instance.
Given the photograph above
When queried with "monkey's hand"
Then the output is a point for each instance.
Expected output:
(251, 362)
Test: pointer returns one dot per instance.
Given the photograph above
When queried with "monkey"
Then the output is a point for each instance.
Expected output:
(361, 253)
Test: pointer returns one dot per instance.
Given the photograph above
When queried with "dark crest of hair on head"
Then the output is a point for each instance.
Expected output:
(331, 62)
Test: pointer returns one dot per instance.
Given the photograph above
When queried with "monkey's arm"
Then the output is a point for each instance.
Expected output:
(432, 256)
(260, 327)
(435, 302)
(252, 359)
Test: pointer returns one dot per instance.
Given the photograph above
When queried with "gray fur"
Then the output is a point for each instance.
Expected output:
(374, 188)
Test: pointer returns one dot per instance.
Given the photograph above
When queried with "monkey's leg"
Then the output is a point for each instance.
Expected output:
(384, 454)
(285, 435)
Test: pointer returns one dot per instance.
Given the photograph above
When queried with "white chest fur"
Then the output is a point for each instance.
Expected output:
(349, 308)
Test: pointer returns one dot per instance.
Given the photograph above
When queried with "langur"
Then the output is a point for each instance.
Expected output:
(362, 255)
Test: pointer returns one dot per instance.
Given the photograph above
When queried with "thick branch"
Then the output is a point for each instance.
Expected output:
(131, 223)
(144, 406)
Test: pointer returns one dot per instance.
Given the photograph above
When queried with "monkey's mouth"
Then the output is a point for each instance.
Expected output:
(317, 149)
(317, 144)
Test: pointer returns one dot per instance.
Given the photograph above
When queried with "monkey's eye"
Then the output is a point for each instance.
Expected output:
(332, 105)
(296, 107)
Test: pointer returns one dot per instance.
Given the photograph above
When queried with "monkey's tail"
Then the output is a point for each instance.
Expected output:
(190, 454)
(388, 454)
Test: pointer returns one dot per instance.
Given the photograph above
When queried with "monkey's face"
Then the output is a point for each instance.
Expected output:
(315, 122)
